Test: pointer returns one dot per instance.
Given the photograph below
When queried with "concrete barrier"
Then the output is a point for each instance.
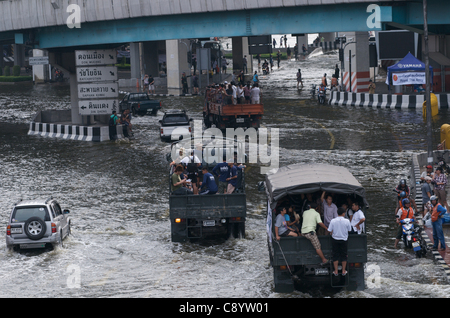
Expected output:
(384, 100)
(73, 132)
(56, 124)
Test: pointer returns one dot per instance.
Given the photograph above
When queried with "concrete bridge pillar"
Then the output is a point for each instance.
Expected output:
(135, 62)
(150, 56)
(176, 54)
(356, 73)
(300, 41)
(240, 48)
(19, 54)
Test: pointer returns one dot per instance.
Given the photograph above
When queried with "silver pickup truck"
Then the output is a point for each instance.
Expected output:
(175, 125)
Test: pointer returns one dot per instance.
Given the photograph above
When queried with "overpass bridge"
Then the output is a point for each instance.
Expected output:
(44, 22)
(62, 26)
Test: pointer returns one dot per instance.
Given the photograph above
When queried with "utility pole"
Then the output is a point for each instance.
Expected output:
(427, 91)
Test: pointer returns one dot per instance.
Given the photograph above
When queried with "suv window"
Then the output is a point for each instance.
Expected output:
(175, 118)
(57, 209)
(22, 214)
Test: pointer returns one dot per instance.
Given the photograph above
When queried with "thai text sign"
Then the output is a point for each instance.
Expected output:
(98, 106)
(38, 60)
(99, 57)
(98, 90)
(409, 78)
(96, 74)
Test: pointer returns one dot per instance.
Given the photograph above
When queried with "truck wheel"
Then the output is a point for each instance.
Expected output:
(35, 228)
(282, 281)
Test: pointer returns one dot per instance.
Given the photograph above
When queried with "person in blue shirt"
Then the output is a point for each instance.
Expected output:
(232, 178)
(209, 185)
(223, 172)
(436, 221)
(255, 77)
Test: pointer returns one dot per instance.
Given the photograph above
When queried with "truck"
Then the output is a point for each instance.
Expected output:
(224, 115)
(139, 103)
(294, 261)
(175, 125)
(194, 217)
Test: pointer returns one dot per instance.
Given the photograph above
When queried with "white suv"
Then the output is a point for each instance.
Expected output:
(36, 223)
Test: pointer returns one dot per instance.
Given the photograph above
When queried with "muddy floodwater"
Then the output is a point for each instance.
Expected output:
(117, 197)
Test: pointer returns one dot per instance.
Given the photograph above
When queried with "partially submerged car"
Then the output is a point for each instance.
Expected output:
(294, 260)
(36, 224)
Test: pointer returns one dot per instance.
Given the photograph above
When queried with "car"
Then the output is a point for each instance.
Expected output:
(37, 224)
(139, 104)
(175, 125)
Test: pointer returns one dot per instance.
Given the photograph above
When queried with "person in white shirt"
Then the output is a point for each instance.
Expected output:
(255, 93)
(339, 228)
(240, 94)
(234, 88)
(358, 219)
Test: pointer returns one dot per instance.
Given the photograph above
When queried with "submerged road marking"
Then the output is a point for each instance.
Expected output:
(333, 140)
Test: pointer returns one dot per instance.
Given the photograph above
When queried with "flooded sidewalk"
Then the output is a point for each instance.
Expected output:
(442, 257)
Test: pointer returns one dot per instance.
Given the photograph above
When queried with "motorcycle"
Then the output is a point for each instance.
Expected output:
(59, 76)
(412, 237)
(445, 167)
(321, 96)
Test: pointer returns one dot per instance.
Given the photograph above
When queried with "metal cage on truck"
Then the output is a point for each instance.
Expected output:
(294, 260)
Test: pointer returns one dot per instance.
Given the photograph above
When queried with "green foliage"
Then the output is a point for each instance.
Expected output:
(11, 79)
(16, 70)
(6, 71)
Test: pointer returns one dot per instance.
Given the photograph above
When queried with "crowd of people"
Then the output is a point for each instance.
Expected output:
(434, 200)
(321, 216)
(233, 94)
(125, 119)
(189, 171)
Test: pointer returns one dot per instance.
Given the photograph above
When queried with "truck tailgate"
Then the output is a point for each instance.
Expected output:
(198, 206)
(242, 109)
(299, 250)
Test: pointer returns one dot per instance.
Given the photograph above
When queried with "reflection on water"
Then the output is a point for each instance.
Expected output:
(117, 195)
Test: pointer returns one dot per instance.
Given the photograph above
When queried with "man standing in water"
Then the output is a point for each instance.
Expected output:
(299, 78)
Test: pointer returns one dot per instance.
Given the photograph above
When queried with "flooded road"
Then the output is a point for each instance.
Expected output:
(117, 195)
